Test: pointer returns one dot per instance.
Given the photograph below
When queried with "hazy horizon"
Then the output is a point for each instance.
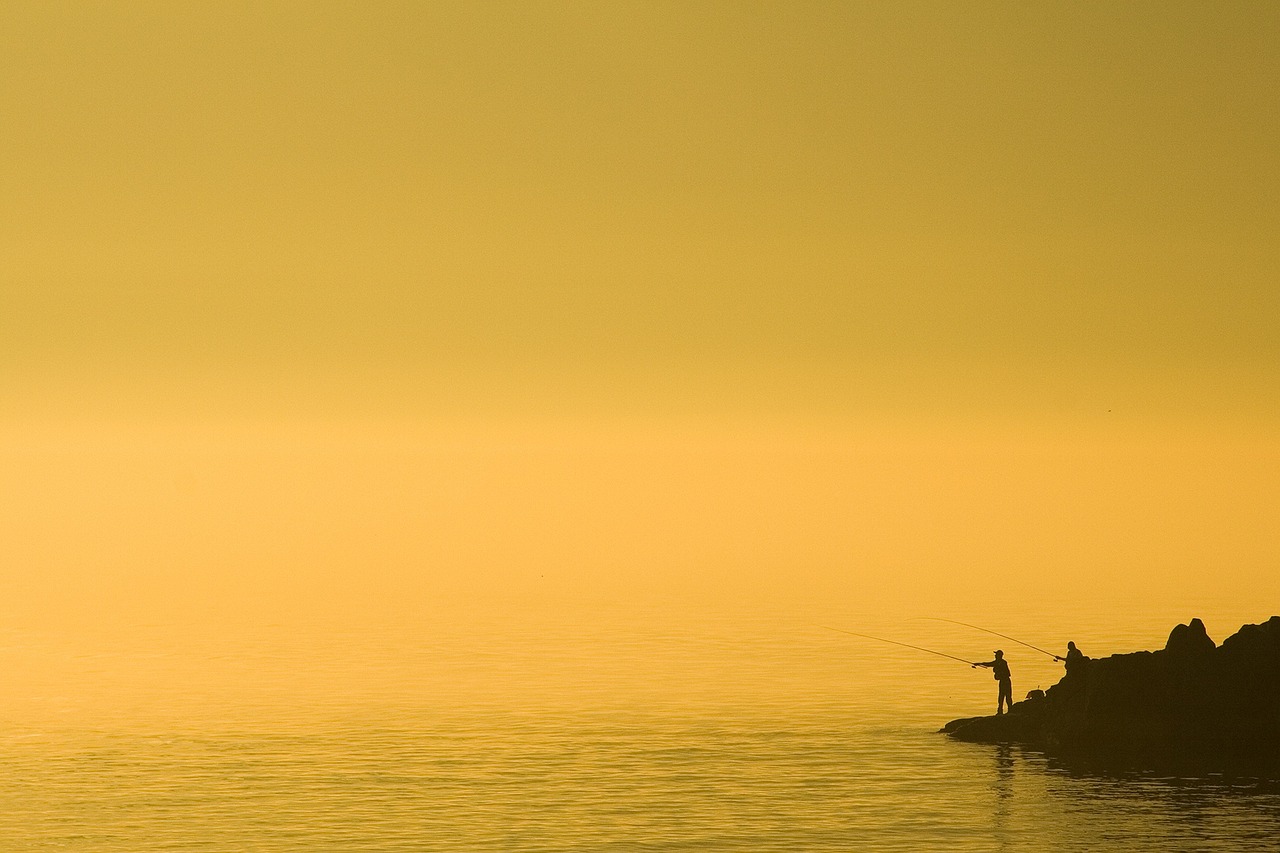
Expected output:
(382, 313)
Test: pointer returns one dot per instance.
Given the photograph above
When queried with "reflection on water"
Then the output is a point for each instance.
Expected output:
(1132, 812)
(1002, 786)
(716, 738)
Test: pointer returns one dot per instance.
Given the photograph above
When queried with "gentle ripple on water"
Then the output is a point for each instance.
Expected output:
(788, 747)
(635, 782)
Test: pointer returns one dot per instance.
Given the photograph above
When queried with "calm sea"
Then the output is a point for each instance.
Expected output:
(630, 734)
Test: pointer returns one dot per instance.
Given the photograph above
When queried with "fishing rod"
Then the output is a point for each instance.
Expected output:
(896, 643)
(996, 633)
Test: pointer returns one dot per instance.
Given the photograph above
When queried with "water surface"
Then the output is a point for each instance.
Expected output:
(745, 734)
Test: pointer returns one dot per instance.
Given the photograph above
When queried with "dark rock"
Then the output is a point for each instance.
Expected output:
(1190, 639)
(1017, 726)
(1191, 707)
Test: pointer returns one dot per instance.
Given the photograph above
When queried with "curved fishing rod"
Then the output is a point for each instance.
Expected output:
(996, 633)
(896, 643)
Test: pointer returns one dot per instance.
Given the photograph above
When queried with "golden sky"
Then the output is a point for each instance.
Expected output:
(729, 282)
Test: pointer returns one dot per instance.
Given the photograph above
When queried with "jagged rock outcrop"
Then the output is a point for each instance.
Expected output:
(1191, 707)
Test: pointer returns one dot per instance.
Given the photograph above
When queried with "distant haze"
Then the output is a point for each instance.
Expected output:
(387, 312)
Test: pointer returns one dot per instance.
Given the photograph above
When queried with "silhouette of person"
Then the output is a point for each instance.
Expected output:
(1074, 661)
(1000, 671)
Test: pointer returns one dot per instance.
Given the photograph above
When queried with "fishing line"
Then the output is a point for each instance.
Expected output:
(996, 633)
(896, 643)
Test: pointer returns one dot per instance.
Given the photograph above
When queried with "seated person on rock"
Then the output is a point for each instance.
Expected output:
(1074, 660)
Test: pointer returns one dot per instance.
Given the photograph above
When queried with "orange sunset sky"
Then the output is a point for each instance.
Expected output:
(374, 310)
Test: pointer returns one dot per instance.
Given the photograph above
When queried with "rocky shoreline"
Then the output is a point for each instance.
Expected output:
(1191, 707)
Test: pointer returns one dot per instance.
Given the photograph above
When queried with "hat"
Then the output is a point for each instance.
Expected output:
(998, 653)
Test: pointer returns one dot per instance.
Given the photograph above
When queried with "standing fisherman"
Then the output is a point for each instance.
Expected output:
(1000, 669)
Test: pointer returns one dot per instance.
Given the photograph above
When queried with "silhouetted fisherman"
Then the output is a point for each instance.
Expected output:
(1000, 670)
(1074, 661)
